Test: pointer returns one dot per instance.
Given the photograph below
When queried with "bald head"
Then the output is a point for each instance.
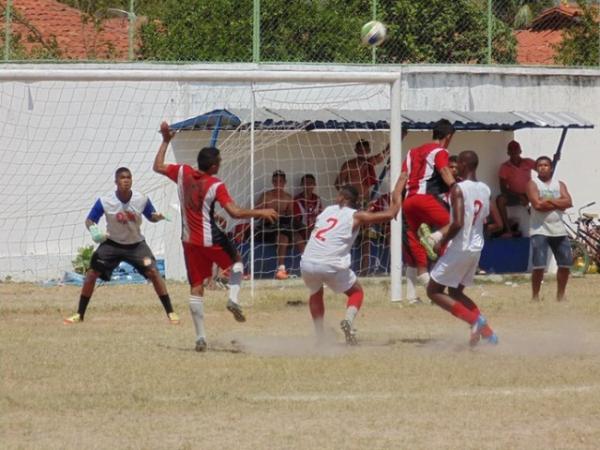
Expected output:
(470, 159)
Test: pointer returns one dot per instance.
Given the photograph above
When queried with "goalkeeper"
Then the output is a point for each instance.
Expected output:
(122, 241)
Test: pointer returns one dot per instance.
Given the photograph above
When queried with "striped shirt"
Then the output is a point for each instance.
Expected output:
(198, 193)
(423, 165)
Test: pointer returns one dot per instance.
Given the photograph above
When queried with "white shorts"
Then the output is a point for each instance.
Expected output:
(456, 268)
(315, 275)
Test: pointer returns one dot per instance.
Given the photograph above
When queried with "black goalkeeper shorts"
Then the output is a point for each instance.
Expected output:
(110, 254)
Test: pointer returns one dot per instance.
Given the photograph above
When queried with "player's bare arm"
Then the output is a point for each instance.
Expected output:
(236, 212)
(399, 188)
(534, 198)
(447, 176)
(159, 161)
(370, 218)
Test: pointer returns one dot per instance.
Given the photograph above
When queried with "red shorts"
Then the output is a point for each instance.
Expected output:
(199, 261)
(423, 208)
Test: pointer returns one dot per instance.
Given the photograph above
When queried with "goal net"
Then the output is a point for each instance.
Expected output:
(65, 133)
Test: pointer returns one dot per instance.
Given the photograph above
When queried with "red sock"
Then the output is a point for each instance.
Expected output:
(355, 299)
(316, 305)
(463, 313)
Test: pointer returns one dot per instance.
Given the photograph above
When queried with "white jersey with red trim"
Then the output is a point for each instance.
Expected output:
(332, 238)
(198, 193)
(476, 197)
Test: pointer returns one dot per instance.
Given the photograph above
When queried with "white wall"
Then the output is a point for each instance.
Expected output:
(61, 142)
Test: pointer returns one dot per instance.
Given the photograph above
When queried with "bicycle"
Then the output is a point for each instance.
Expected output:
(584, 237)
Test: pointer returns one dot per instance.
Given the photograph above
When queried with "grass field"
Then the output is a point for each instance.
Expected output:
(127, 379)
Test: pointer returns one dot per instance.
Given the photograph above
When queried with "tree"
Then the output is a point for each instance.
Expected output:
(426, 31)
(438, 31)
(579, 46)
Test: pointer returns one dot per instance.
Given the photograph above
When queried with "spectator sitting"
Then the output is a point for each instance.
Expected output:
(307, 206)
(514, 176)
(280, 231)
(360, 173)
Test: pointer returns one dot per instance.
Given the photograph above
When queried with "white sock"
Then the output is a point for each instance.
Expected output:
(351, 312)
(281, 267)
(411, 281)
(235, 281)
(197, 311)
(423, 278)
(436, 236)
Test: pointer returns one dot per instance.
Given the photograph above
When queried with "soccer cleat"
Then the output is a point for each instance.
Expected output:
(173, 318)
(424, 233)
(201, 345)
(476, 330)
(492, 339)
(236, 310)
(349, 332)
(281, 274)
(75, 318)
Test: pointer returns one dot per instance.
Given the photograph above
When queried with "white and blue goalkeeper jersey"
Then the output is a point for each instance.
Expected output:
(123, 220)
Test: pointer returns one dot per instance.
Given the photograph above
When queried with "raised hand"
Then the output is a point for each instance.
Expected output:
(167, 133)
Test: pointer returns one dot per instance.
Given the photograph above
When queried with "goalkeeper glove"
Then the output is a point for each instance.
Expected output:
(97, 235)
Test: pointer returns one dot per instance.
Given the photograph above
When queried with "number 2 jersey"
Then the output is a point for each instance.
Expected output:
(332, 238)
(476, 197)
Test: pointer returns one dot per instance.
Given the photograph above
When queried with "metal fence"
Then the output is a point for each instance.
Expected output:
(548, 32)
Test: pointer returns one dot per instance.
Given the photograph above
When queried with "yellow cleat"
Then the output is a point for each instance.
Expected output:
(173, 318)
(75, 318)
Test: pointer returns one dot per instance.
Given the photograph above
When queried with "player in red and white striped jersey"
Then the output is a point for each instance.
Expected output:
(204, 243)
(426, 177)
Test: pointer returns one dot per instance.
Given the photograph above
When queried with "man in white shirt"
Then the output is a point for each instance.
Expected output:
(455, 269)
(326, 259)
(549, 198)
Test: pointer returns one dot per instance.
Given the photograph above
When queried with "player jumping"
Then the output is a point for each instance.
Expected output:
(470, 204)
(326, 259)
(203, 241)
(426, 177)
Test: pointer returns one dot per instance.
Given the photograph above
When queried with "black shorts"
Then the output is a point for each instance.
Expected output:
(268, 232)
(110, 254)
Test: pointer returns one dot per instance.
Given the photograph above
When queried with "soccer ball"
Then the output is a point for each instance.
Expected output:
(373, 33)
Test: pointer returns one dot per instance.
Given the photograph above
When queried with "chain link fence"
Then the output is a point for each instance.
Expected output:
(542, 32)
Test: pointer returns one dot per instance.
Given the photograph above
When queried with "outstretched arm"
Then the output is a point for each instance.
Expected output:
(236, 212)
(369, 218)
(159, 160)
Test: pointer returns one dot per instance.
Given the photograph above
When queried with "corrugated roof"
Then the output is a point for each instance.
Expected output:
(337, 119)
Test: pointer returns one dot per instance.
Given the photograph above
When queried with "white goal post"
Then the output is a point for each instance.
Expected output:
(181, 76)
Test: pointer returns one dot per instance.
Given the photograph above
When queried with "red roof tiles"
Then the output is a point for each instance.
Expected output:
(75, 38)
(537, 45)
